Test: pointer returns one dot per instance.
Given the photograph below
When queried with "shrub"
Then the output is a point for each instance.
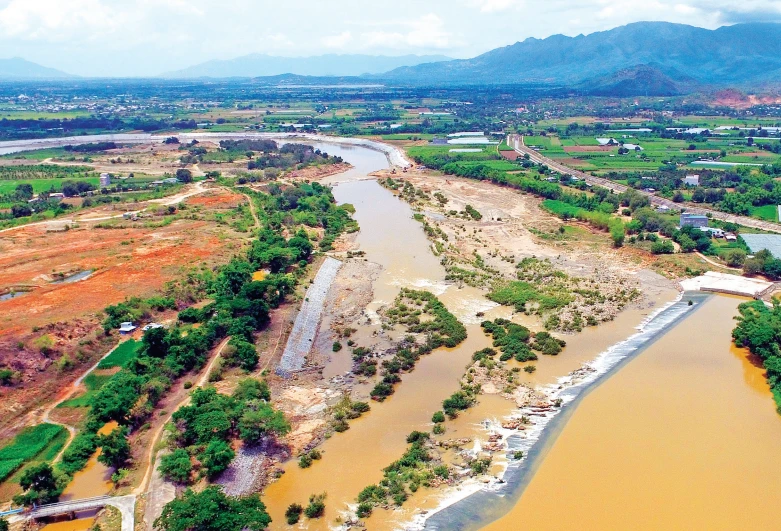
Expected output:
(439, 416)
(293, 513)
(316, 507)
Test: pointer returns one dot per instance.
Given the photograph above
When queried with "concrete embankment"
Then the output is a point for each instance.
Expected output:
(488, 504)
(308, 320)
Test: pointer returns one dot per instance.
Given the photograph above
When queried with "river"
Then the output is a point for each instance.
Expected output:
(685, 436)
(354, 459)
(632, 449)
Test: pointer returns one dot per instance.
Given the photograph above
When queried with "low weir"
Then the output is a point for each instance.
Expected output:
(487, 504)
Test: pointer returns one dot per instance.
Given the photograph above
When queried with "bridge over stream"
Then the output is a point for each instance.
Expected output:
(124, 504)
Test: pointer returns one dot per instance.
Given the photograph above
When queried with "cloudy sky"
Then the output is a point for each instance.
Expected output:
(148, 37)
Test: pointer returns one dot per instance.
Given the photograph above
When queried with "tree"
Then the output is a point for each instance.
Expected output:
(24, 192)
(176, 466)
(252, 389)
(40, 486)
(662, 247)
(316, 507)
(735, 257)
(21, 211)
(292, 514)
(244, 354)
(213, 510)
(3, 524)
(678, 197)
(217, 457)
(686, 243)
(115, 448)
(184, 175)
(259, 420)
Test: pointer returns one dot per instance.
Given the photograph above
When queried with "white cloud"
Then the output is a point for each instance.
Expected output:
(338, 41)
(493, 6)
(426, 32)
(146, 37)
(56, 20)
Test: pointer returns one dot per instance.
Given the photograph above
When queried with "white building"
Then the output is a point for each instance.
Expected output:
(105, 180)
(691, 180)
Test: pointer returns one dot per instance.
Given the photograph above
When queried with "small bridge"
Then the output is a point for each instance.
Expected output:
(125, 504)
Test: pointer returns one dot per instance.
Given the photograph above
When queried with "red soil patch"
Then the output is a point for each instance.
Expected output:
(127, 262)
(216, 199)
(510, 155)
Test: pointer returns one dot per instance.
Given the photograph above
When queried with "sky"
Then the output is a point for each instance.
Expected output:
(149, 37)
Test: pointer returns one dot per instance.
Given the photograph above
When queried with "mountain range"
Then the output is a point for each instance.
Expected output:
(17, 68)
(672, 56)
(643, 58)
(259, 65)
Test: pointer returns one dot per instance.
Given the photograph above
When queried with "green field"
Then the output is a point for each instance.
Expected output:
(655, 153)
(121, 355)
(93, 382)
(44, 185)
(766, 212)
(38, 442)
(39, 154)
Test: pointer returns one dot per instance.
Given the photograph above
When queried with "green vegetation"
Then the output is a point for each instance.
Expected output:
(316, 507)
(241, 307)
(460, 400)
(293, 513)
(212, 510)
(205, 428)
(441, 329)
(40, 486)
(121, 355)
(516, 341)
(759, 330)
(30, 445)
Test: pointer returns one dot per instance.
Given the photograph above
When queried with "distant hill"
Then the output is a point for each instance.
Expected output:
(20, 69)
(258, 65)
(638, 81)
(738, 54)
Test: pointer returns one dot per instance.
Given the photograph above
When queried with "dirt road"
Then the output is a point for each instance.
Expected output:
(517, 143)
(196, 189)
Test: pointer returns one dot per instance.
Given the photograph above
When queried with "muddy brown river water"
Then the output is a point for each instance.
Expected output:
(352, 460)
(684, 436)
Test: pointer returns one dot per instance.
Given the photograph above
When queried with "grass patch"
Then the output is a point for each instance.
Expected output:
(28, 444)
(93, 382)
(121, 355)
(766, 212)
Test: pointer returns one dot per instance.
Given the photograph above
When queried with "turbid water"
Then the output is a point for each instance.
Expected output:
(389, 237)
(352, 460)
(93, 480)
(685, 436)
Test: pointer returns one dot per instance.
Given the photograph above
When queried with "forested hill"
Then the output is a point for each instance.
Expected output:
(743, 53)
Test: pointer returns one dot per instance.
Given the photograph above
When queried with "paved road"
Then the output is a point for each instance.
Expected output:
(517, 143)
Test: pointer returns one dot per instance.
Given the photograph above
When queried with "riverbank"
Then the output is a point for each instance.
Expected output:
(684, 436)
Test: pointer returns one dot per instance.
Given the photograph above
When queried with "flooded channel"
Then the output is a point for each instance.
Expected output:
(352, 460)
(389, 237)
(685, 436)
